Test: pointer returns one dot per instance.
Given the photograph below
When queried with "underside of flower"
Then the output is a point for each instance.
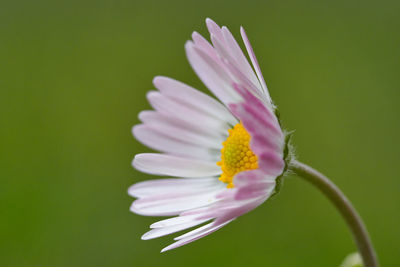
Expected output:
(236, 155)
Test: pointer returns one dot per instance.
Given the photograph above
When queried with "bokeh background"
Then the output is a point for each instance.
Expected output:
(74, 75)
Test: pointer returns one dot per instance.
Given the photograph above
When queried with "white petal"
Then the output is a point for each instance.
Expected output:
(204, 45)
(193, 97)
(168, 106)
(151, 117)
(173, 203)
(254, 61)
(163, 164)
(174, 185)
(158, 232)
(239, 57)
(214, 29)
(196, 235)
(164, 143)
(195, 231)
(237, 75)
(174, 221)
(211, 74)
(183, 135)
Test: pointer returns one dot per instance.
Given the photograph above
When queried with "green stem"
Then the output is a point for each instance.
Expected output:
(344, 206)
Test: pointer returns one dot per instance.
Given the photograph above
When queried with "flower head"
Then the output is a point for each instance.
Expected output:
(225, 156)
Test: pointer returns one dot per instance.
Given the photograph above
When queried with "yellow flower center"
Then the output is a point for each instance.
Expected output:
(236, 155)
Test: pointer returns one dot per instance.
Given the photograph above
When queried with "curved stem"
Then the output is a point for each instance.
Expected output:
(344, 206)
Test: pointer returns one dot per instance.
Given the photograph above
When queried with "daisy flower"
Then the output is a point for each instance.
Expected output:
(224, 158)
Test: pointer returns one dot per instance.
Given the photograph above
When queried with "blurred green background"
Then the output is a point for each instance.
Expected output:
(73, 77)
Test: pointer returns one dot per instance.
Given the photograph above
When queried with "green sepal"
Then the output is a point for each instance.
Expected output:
(287, 157)
(277, 114)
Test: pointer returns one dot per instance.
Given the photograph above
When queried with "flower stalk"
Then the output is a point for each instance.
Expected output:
(346, 209)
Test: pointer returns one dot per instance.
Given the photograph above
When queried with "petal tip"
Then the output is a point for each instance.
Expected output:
(161, 82)
(135, 130)
(151, 94)
(135, 160)
(189, 45)
(209, 20)
(145, 236)
(132, 208)
(156, 80)
(211, 24)
(167, 248)
(131, 190)
(195, 35)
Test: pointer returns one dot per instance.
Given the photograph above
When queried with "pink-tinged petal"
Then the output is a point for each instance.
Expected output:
(264, 135)
(202, 211)
(255, 190)
(168, 106)
(163, 141)
(256, 121)
(239, 211)
(233, 68)
(224, 59)
(229, 205)
(193, 98)
(211, 73)
(174, 185)
(204, 45)
(262, 111)
(227, 193)
(239, 57)
(221, 49)
(261, 124)
(242, 79)
(198, 234)
(170, 204)
(260, 143)
(252, 177)
(271, 163)
(217, 208)
(158, 232)
(260, 140)
(154, 118)
(269, 119)
(257, 129)
(162, 164)
(254, 61)
(214, 29)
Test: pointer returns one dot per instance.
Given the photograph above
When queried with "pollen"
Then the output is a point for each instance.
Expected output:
(236, 155)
